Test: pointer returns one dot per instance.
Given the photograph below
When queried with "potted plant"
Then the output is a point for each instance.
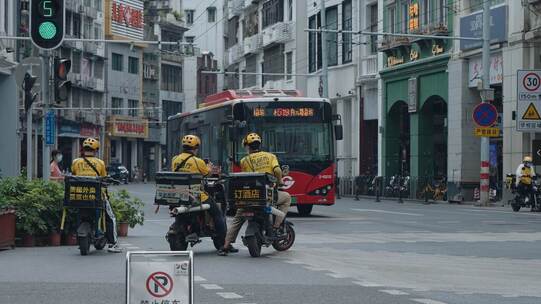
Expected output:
(53, 203)
(7, 223)
(128, 211)
(30, 206)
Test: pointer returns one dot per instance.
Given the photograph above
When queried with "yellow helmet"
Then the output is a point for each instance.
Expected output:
(251, 138)
(527, 159)
(191, 141)
(91, 143)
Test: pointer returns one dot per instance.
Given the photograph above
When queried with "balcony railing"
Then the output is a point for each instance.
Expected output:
(369, 66)
(278, 33)
(253, 44)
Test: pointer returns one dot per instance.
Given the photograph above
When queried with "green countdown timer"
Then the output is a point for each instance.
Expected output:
(47, 30)
(47, 23)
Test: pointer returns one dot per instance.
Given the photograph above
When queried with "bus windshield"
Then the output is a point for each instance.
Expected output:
(295, 141)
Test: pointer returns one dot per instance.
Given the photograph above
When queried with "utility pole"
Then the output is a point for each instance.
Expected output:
(46, 102)
(29, 160)
(324, 60)
(485, 97)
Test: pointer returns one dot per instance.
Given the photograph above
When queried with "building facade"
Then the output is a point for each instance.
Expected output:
(265, 37)
(205, 22)
(414, 83)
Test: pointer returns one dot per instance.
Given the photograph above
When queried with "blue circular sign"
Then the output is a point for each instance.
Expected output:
(485, 114)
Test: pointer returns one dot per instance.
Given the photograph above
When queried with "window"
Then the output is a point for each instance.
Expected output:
(133, 104)
(314, 44)
(273, 63)
(68, 27)
(290, 10)
(332, 38)
(87, 100)
(97, 31)
(441, 11)
(347, 47)
(251, 67)
(116, 104)
(98, 5)
(391, 18)
(117, 62)
(189, 16)
(171, 78)
(76, 63)
(75, 98)
(289, 65)
(211, 14)
(77, 25)
(425, 13)
(170, 108)
(374, 28)
(273, 12)
(98, 69)
(404, 17)
(98, 100)
(88, 28)
(133, 65)
(190, 39)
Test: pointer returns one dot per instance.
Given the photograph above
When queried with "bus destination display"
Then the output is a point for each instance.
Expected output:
(283, 112)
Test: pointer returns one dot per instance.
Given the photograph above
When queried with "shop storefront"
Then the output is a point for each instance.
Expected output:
(415, 107)
(125, 141)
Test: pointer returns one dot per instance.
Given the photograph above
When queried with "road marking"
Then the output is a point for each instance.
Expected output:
(125, 244)
(366, 284)
(448, 222)
(199, 279)
(427, 301)
(131, 247)
(211, 286)
(336, 275)
(394, 292)
(229, 295)
(387, 212)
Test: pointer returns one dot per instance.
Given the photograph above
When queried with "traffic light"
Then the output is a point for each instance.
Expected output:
(61, 83)
(29, 97)
(47, 23)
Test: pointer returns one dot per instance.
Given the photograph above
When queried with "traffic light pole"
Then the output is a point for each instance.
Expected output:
(29, 159)
(45, 98)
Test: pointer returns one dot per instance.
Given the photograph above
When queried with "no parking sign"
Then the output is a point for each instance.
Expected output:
(159, 277)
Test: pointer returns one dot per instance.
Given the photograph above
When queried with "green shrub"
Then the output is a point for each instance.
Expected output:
(127, 209)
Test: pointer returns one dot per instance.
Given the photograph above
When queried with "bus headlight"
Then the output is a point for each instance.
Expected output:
(316, 192)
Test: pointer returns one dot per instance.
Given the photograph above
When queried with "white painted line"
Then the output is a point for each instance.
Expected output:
(387, 212)
(336, 275)
(229, 295)
(394, 292)
(211, 286)
(366, 284)
(427, 301)
(125, 244)
(448, 222)
(131, 247)
(199, 279)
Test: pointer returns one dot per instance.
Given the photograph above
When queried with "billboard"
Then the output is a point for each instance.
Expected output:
(125, 19)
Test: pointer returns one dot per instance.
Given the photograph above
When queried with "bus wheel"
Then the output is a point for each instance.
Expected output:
(304, 210)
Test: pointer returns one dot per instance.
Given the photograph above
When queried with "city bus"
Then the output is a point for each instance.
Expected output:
(300, 131)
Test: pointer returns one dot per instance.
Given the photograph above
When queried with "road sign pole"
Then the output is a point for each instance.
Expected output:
(485, 141)
(46, 101)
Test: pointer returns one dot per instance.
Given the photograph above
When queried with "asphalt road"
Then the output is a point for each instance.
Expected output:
(350, 253)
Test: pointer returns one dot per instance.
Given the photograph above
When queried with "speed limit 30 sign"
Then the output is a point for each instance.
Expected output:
(528, 100)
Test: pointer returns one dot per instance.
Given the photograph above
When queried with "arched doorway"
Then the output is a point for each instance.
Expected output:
(433, 129)
(397, 140)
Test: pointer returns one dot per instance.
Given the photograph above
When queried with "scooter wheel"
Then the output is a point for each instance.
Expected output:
(287, 242)
(254, 246)
(84, 245)
(516, 207)
(99, 244)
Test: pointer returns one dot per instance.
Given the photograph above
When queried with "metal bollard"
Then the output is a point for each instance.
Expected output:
(378, 181)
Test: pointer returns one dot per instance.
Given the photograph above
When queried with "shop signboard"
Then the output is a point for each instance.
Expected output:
(125, 126)
(472, 26)
(475, 71)
(125, 18)
(528, 101)
(159, 277)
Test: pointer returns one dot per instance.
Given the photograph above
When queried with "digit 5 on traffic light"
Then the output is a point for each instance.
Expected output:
(47, 23)
(61, 83)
